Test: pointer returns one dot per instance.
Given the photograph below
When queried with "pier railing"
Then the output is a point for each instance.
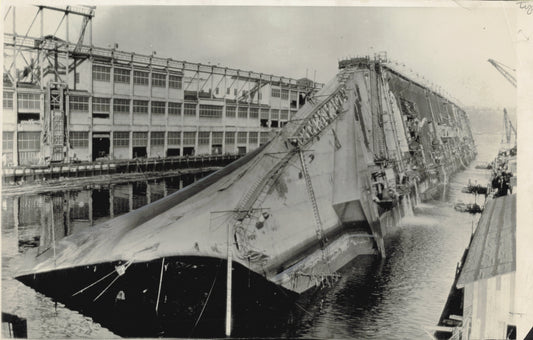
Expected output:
(13, 175)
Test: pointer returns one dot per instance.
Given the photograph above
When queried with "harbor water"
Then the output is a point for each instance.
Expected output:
(399, 297)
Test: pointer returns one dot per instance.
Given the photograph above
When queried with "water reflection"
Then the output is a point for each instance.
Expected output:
(37, 221)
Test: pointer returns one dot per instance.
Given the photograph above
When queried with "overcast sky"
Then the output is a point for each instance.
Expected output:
(448, 46)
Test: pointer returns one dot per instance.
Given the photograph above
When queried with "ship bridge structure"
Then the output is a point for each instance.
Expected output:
(327, 188)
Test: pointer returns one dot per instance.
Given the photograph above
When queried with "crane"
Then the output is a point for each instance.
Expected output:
(503, 70)
(508, 127)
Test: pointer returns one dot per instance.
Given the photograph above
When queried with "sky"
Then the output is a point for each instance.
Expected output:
(448, 46)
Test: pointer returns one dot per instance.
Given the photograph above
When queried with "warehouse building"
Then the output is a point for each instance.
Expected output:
(77, 103)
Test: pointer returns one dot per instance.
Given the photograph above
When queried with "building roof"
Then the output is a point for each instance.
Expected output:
(493, 248)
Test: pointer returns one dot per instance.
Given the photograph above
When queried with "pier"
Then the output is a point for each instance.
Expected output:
(14, 177)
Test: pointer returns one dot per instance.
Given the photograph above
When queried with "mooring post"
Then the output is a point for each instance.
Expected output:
(228, 284)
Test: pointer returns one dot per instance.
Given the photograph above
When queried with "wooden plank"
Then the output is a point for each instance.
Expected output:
(493, 247)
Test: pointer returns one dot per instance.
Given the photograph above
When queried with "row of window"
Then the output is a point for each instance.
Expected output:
(26, 141)
(282, 93)
(236, 92)
(121, 75)
(25, 101)
(31, 141)
(103, 105)
(80, 139)
(31, 101)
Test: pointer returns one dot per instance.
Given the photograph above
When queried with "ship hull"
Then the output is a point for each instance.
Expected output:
(329, 187)
(192, 297)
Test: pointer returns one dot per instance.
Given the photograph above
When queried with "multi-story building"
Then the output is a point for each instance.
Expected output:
(85, 103)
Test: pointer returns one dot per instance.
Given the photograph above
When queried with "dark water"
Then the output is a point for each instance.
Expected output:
(395, 298)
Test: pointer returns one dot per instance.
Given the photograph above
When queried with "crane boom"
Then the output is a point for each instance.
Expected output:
(509, 129)
(504, 72)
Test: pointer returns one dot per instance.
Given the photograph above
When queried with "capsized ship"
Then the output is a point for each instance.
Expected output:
(327, 188)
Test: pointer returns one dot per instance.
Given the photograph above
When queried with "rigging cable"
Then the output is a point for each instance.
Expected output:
(206, 300)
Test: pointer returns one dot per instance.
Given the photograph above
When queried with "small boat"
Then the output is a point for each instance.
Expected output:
(472, 208)
(484, 166)
(475, 189)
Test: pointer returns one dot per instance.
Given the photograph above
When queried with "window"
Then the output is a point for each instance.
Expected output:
(230, 111)
(79, 139)
(174, 82)
(217, 90)
(284, 115)
(157, 138)
(243, 112)
(274, 114)
(174, 108)
(260, 96)
(216, 137)
(101, 105)
(8, 100)
(140, 106)
(121, 139)
(264, 114)
(230, 137)
(101, 73)
(241, 137)
(174, 138)
(294, 95)
(158, 107)
(122, 75)
(140, 78)
(7, 141)
(159, 80)
(263, 138)
(203, 138)
(79, 104)
(189, 110)
(252, 138)
(234, 92)
(285, 94)
(276, 93)
(254, 112)
(29, 141)
(140, 139)
(121, 105)
(228, 90)
(210, 111)
(77, 77)
(189, 138)
(32, 101)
